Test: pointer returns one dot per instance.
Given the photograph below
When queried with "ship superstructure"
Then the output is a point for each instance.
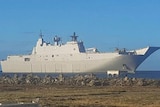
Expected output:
(72, 57)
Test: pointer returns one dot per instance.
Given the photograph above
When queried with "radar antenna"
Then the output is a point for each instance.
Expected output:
(74, 37)
(56, 40)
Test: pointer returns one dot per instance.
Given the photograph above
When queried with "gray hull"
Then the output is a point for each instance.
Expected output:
(78, 63)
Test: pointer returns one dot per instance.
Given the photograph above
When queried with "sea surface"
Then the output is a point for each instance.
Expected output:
(137, 74)
(145, 74)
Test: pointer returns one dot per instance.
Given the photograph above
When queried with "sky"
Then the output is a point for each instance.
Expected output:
(104, 24)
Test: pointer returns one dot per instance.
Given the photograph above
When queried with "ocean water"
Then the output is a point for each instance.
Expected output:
(145, 74)
(137, 74)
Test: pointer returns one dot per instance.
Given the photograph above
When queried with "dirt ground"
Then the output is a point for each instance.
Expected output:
(67, 96)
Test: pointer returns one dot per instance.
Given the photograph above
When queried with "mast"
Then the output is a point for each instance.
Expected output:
(41, 39)
(40, 35)
(74, 37)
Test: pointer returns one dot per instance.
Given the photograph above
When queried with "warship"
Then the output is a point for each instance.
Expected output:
(73, 57)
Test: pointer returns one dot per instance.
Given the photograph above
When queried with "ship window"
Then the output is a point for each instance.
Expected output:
(26, 59)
